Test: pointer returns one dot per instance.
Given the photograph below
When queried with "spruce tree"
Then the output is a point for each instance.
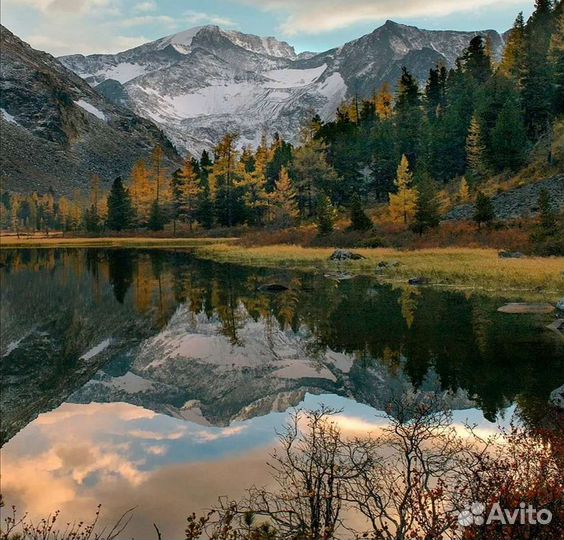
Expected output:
(120, 210)
(157, 217)
(325, 214)
(476, 60)
(484, 211)
(359, 220)
(508, 138)
(427, 209)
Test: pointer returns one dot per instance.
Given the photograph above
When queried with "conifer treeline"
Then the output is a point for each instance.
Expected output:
(476, 119)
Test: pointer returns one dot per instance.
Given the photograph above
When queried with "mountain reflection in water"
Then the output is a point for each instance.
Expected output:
(154, 363)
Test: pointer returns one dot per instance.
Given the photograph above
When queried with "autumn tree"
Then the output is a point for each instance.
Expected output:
(463, 190)
(285, 209)
(475, 149)
(403, 203)
(186, 189)
(226, 175)
(384, 102)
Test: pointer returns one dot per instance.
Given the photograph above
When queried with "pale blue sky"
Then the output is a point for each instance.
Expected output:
(89, 26)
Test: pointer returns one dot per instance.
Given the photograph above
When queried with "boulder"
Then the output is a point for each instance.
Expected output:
(345, 255)
(272, 287)
(560, 304)
(510, 255)
(338, 276)
(526, 308)
(418, 281)
(382, 265)
(557, 397)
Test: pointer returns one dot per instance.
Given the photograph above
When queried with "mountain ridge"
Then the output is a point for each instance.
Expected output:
(202, 82)
(57, 131)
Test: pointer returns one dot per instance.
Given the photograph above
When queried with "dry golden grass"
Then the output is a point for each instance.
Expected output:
(459, 267)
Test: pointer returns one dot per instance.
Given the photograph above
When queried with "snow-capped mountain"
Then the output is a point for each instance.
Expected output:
(202, 82)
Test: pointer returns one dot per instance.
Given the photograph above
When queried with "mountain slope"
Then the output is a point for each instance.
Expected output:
(57, 130)
(202, 82)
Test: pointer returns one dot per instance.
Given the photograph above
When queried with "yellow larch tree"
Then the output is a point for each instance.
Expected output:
(283, 198)
(403, 204)
(384, 102)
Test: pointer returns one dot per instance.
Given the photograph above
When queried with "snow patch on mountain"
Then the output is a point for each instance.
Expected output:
(91, 109)
(122, 72)
(293, 78)
(8, 117)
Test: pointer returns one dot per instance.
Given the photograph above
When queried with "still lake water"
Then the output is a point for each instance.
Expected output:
(151, 378)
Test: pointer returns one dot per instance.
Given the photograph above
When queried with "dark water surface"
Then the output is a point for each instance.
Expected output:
(151, 378)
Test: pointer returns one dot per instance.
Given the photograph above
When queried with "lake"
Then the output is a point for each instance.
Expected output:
(155, 379)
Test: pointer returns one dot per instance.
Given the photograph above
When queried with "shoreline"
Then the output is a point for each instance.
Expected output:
(470, 269)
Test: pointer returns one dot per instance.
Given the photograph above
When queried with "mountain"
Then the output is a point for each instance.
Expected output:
(57, 130)
(202, 82)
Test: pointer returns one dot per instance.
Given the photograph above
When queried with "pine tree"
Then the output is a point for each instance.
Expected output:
(120, 210)
(359, 220)
(427, 207)
(157, 218)
(475, 149)
(253, 183)
(476, 61)
(409, 115)
(536, 80)
(325, 215)
(556, 59)
(508, 138)
(403, 203)
(313, 174)
(283, 198)
(484, 212)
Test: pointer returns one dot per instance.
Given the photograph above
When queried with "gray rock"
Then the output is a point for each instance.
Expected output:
(518, 202)
(418, 281)
(510, 255)
(557, 397)
(338, 276)
(560, 304)
(345, 255)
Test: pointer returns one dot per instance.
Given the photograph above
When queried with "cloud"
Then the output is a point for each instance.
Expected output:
(145, 7)
(108, 7)
(201, 18)
(319, 16)
(163, 20)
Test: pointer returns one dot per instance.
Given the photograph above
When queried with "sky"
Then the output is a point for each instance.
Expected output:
(105, 26)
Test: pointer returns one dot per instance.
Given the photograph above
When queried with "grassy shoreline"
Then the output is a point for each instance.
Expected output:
(459, 268)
